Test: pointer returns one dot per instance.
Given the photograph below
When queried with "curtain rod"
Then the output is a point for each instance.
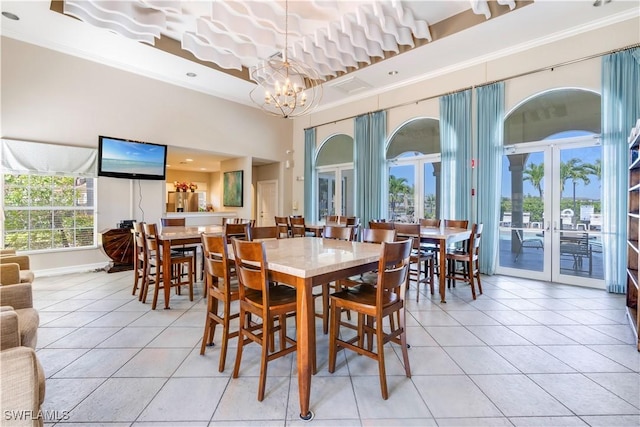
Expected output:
(526, 73)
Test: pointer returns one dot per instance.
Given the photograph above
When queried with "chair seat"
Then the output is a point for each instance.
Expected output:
(280, 298)
(365, 297)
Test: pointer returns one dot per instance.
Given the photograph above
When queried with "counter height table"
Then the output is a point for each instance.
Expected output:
(179, 235)
(443, 237)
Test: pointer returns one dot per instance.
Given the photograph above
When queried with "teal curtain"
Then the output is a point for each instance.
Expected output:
(620, 110)
(369, 137)
(455, 144)
(309, 175)
(490, 131)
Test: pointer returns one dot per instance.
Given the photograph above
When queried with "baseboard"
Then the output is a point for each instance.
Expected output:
(85, 268)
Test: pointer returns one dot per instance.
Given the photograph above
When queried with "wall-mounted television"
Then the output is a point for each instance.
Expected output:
(122, 158)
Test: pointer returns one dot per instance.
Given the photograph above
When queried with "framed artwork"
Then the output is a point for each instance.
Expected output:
(232, 189)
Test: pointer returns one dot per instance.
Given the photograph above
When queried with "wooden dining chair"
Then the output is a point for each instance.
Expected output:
(265, 232)
(331, 219)
(424, 260)
(139, 259)
(456, 223)
(155, 272)
(191, 250)
(273, 304)
(222, 285)
(335, 233)
(463, 264)
(298, 228)
(369, 235)
(381, 225)
(372, 307)
(240, 231)
(282, 222)
(430, 222)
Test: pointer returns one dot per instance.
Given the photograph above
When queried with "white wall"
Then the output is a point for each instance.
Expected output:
(48, 96)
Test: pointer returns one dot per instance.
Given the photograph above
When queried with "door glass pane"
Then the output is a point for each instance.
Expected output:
(580, 212)
(346, 176)
(326, 194)
(522, 211)
(431, 191)
(401, 198)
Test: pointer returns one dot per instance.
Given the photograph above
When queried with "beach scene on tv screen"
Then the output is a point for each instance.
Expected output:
(132, 157)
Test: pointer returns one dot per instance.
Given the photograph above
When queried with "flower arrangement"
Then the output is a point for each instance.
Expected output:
(184, 186)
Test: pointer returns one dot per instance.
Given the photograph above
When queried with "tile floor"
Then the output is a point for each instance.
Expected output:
(525, 353)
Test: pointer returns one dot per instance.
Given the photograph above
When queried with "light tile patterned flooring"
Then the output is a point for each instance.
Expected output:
(525, 353)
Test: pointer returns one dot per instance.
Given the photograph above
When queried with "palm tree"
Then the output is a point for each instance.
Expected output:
(398, 188)
(535, 174)
(575, 171)
(595, 169)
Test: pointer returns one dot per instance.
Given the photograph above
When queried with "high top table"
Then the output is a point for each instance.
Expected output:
(305, 262)
(179, 235)
(443, 237)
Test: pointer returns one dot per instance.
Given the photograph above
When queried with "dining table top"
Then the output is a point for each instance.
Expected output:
(174, 232)
(313, 256)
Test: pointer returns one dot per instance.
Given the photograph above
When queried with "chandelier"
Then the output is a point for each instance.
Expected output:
(285, 87)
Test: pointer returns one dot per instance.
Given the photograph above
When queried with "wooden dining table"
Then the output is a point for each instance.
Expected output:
(169, 236)
(306, 262)
(443, 237)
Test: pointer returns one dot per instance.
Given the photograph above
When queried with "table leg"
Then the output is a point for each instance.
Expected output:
(443, 269)
(166, 273)
(306, 344)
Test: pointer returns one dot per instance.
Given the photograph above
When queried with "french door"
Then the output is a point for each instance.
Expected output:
(550, 223)
(335, 190)
(414, 188)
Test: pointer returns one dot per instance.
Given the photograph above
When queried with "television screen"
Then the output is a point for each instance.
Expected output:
(121, 158)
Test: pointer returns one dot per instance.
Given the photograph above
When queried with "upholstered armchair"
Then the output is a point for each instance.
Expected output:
(22, 387)
(24, 269)
(18, 319)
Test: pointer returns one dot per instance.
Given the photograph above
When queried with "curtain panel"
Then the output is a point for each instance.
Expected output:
(490, 131)
(34, 157)
(455, 144)
(369, 137)
(309, 175)
(620, 110)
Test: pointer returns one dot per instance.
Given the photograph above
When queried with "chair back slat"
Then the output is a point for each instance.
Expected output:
(371, 235)
(393, 267)
(456, 223)
(429, 222)
(338, 233)
(406, 230)
(267, 232)
(381, 225)
(173, 222)
(298, 228)
(216, 255)
(240, 231)
(251, 266)
(282, 223)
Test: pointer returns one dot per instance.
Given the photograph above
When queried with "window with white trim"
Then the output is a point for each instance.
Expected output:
(48, 196)
(48, 212)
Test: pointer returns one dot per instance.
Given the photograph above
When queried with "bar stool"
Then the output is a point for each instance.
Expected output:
(155, 271)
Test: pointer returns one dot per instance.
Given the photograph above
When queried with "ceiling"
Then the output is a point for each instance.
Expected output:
(356, 46)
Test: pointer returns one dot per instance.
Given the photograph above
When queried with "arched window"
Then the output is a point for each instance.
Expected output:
(551, 190)
(413, 158)
(334, 165)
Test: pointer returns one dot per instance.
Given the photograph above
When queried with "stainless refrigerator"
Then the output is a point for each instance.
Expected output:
(180, 201)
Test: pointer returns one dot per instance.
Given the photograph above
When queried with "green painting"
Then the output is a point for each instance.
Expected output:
(232, 189)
